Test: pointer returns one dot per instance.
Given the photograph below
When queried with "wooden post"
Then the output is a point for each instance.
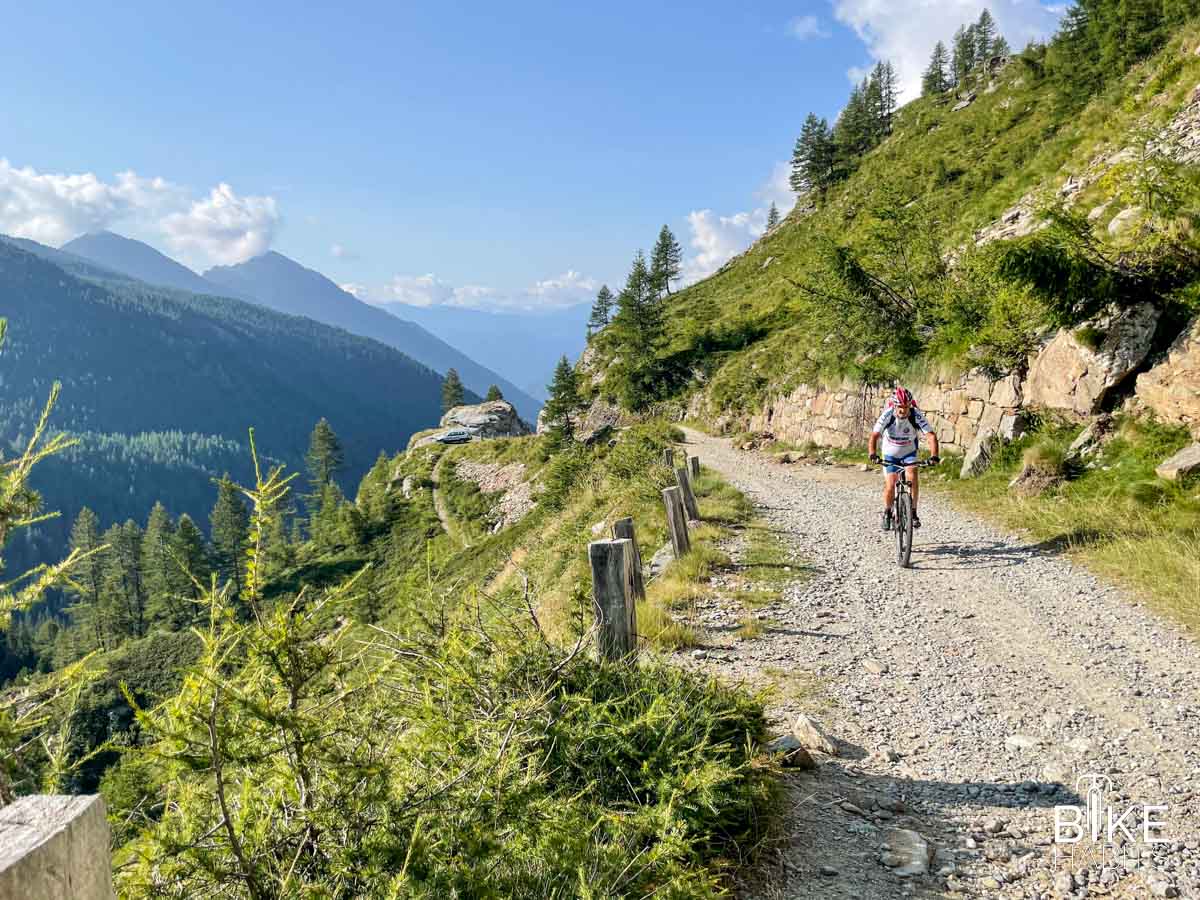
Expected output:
(677, 521)
(612, 596)
(695, 461)
(623, 530)
(689, 496)
(669, 458)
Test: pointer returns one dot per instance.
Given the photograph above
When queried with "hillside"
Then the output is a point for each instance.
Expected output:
(854, 283)
(282, 284)
(164, 386)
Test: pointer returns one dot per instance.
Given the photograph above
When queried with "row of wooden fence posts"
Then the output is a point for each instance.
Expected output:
(617, 580)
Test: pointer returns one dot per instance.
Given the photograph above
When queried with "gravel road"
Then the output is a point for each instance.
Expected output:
(966, 697)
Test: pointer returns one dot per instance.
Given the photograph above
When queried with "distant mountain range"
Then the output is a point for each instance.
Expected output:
(525, 346)
(282, 284)
(164, 384)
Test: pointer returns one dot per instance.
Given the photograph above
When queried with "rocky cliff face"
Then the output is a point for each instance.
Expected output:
(492, 419)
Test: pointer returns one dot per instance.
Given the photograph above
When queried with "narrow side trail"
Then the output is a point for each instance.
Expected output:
(966, 696)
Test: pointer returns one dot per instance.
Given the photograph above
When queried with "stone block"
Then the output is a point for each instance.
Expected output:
(55, 848)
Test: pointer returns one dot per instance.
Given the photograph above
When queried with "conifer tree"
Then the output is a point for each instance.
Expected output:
(191, 564)
(964, 55)
(230, 525)
(665, 262)
(601, 309)
(564, 402)
(453, 393)
(157, 567)
(985, 38)
(639, 316)
(1000, 47)
(493, 393)
(87, 582)
(936, 79)
(325, 456)
(813, 157)
(123, 598)
(772, 216)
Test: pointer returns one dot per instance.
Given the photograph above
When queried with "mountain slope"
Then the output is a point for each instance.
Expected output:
(525, 346)
(136, 360)
(285, 285)
(138, 260)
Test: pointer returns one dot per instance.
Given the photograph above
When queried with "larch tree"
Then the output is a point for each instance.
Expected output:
(666, 262)
(601, 310)
(325, 457)
(936, 79)
(813, 157)
(230, 526)
(493, 393)
(985, 38)
(564, 401)
(772, 216)
(453, 393)
(87, 581)
(157, 567)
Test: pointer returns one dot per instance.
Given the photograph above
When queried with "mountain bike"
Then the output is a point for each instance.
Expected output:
(902, 521)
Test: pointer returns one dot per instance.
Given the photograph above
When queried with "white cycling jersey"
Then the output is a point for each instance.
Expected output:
(901, 436)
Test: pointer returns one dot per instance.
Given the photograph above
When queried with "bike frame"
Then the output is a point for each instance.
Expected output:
(902, 513)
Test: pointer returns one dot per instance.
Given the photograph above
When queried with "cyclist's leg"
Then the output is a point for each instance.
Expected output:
(889, 489)
(914, 489)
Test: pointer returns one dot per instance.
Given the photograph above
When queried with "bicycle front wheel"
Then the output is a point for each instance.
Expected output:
(904, 529)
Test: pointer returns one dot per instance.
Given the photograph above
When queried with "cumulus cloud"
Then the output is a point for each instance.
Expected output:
(53, 208)
(805, 27)
(341, 251)
(429, 290)
(223, 227)
(717, 238)
(905, 31)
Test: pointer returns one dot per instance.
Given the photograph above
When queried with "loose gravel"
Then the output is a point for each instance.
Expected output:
(967, 696)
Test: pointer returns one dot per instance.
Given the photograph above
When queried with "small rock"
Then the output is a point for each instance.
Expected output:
(1064, 883)
(906, 852)
(1021, 742)
(1184, 463)
(791, 754)
(811, 737)
(874, 666)
(828, 871)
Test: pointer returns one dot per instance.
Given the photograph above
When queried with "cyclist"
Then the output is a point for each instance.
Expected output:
(901, 425)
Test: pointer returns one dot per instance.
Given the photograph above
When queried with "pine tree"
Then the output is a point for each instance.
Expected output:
(813, 157)
(564, 401)
(964, 55)
(1000, 47)
(325, 456)
(453, 393)
(936, 79)
(158, 568)
(124, 592)
(601, 310)
(230, 524)
(493, 393)
(191, 565)
(665, 262)
(772, 216)
(639, 316)
(889, 92)
(87, 582)
(985, 38)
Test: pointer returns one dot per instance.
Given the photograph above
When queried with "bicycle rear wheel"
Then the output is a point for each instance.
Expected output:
(904, 529)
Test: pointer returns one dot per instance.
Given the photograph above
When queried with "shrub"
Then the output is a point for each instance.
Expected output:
(1046, 457)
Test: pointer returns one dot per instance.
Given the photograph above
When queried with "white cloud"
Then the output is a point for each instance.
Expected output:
(904, 31)
(53, 208)
(223, 227)
(805, 27)
(428, 290)
(717, 238)
(341, 251)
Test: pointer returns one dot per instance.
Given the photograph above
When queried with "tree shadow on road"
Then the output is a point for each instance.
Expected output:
(972, 555)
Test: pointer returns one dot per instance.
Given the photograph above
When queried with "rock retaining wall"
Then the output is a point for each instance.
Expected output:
(842, 416)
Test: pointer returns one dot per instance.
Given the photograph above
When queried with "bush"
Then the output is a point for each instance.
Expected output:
(1046, 457)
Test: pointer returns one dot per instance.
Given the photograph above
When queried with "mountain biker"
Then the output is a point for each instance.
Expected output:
(901, 425)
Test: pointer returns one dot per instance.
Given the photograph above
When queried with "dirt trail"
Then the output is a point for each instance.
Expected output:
(967, 696)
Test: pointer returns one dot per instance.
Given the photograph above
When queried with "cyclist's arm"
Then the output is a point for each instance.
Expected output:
(873, 443)
(923, 424)
(933, 444)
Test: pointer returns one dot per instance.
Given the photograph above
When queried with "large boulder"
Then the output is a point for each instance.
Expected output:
(492, 419)
(1072, 376)
(1184, 463)
(979, 456)
(1172, 388)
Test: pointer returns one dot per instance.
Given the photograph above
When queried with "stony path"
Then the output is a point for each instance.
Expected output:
(967, 696)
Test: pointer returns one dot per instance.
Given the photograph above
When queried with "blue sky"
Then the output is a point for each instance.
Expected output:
(434, 152)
